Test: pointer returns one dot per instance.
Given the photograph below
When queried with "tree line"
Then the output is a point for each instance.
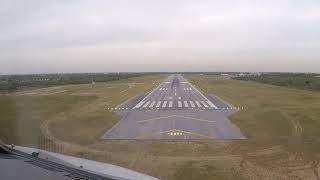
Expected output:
(307, 81)
(11, 83)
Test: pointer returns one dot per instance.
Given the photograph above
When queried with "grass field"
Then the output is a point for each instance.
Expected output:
(74, 113)
(284, 122)
(305, 81)
(271, 112)
(281, 125)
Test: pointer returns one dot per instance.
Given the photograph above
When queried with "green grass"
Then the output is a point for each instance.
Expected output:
(270, 112)
(208, 170)
(21, 116)
(77, 115)
(291, 80)
(279, 123)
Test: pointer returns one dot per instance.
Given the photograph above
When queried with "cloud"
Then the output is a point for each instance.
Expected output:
(181, 35)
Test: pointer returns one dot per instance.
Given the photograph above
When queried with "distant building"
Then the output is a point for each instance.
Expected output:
(248, 74)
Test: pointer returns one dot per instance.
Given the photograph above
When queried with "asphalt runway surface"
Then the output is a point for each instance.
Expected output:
(175, 109)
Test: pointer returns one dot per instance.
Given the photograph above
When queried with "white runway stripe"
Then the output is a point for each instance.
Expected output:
(212, 105)
(160, 89)
(139, 105)
(179, 104)
(198, 104)
(192, 104)
(204, 104)
(164, 104)
(146, 104)
(185, 104)
(170, 104)
(158, 104)
(152, 104)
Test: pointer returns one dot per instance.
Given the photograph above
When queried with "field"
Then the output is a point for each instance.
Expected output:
(281, 124)
(270, 111)
(291, 80)
(14, 83)
(81, 108)
(278, 119)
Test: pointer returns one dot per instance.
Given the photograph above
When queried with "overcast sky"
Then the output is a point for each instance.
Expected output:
(159, 35)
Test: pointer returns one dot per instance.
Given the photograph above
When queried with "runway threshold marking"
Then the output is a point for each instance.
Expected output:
(207, 100)
(164, 104)
(198, 104)
(146, 104)
(139, 105)
(185, 104)
(158, 104)
(170, 104)
(152, 104)
(204, 104)
(212, 105)
(192, 104)
(179, 104)
(153, 90)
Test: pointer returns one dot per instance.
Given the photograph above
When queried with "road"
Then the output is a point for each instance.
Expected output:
(175, 109)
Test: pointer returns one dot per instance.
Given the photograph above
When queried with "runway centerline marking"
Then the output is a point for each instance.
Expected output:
(160, 111)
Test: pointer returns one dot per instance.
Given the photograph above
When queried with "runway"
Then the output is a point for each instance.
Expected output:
(175, 109)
